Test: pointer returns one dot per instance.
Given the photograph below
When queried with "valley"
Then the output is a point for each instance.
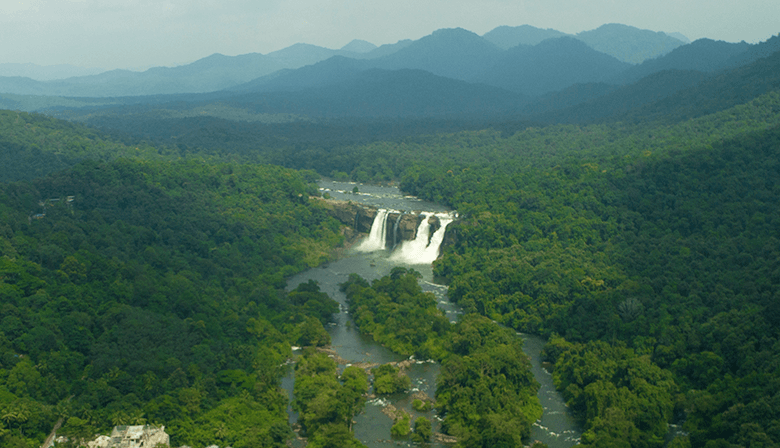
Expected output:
(573, 238)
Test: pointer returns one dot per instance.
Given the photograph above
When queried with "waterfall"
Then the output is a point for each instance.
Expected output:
(377, 236)
(395, 229)
(424, 249)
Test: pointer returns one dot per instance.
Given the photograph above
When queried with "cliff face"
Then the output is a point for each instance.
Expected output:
(360, 217)
(400, 226)
(351, 214)
(407, 226)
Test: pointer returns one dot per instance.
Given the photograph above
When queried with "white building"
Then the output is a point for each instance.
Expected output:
(141, 436)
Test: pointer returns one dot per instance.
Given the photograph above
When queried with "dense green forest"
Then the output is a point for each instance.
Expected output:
(326, 402)
(397, 314)
(382, 151)
(486, 391)
(648, 251)
(156, 295)
(655, 268)
(33, 145)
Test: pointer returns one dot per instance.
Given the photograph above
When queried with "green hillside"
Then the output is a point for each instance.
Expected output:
(155, 295)
(33, 145)
(142, 273)
(650, 258)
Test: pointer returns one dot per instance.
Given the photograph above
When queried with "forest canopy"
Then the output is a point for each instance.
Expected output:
(147, 292)
(142, 273)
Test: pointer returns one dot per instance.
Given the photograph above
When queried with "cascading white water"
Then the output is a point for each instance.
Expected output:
(377, 237)
(424, 249)
(395, 229)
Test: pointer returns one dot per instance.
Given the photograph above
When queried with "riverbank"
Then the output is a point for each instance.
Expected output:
(350, 347)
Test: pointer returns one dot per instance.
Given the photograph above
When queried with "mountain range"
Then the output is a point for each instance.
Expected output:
(625, 209)
(516, 73)
(47, 72)
(454, 53)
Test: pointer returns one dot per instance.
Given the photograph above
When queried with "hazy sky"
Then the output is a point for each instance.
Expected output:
(143, 33)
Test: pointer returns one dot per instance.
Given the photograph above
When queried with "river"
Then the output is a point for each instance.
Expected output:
(556, 428)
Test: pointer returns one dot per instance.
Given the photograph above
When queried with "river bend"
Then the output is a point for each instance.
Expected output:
(556, 428)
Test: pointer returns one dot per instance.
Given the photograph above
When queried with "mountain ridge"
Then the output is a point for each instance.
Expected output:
(629, 44)
(704, 55)
(551, 65)
(205, 75)
(507, 37)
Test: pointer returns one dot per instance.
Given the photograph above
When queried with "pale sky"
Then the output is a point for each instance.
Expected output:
(138, 34)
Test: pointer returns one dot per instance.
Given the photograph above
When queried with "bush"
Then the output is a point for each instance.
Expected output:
(423, 430)
(402, 425)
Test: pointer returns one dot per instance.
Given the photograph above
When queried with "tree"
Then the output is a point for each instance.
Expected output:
(402, 425)
(313, 333)
(389, 379)
(422, 430)
(78, 429)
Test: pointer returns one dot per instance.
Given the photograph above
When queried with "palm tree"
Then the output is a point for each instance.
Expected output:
(221, 430)
(120, 418)
(18, 412)
(8, 416)
(630, 309)
(63, 408)
(150, 381)
(138, 418)
(88, 415)
(22, 414)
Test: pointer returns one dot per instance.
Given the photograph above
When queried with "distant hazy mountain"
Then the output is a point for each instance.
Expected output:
(626, 43)
(212, 73)
(671, 94)
(703, 55)
(23, 86)
(506, 37)
(629, 44)
(548, 65)
(386, 49)
(565, 68)
(718, 92)
(552, 65)
(46, 72)
(679, 36)
(454, 53)
(390, 94)
(299, 55)
(756, 52)
(567, 98)
(359, 46)
(615, 101)
(330, 71)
